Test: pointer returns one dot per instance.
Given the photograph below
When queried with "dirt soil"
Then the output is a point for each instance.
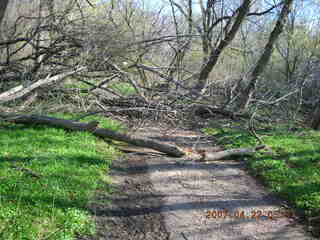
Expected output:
(159, 197)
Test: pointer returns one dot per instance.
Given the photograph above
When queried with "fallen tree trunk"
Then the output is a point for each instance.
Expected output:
(207, 111)
(207, 155)
(171, 150)
(21, 90)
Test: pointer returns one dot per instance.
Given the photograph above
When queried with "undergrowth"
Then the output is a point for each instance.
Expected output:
(124, 89)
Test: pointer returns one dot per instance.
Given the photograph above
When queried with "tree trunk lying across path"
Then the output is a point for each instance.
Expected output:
(171, 150)
(100, 132)
(212, 156)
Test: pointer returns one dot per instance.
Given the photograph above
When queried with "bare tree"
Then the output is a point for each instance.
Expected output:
(217, 26)
(246, 95)
(230, 30)
(3, 7)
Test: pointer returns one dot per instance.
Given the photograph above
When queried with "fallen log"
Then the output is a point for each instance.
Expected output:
(207, 111)
(171, 150)
(21, 90)
(207, 155)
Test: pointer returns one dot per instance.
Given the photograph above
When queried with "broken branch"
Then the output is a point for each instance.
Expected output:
(20, 91)
(214, 156)
(171, 150)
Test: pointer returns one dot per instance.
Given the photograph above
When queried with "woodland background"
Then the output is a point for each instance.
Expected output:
(243, 72)
(246, 57)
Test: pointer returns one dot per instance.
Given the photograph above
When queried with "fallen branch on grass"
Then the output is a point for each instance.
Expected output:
(21, 90)
(26, 171)
(213, 156)
(171, 150)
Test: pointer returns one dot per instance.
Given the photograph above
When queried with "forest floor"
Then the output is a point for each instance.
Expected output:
(158, 197)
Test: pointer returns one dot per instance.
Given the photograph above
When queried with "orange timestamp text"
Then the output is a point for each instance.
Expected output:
(256, 214)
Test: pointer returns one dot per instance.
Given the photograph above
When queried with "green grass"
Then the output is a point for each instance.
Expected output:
(47, 177)
(125, 89)
(79, 85)
(292, 171)
(122, 88)
(103, 122)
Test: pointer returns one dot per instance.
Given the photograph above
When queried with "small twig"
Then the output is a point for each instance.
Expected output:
(184, 236)
(86, 115)
(52, 233)
(92, 126)
(196, 143)
(98, 87)
(26, 171)
(279, 99)
(311, 219)
(252, 129)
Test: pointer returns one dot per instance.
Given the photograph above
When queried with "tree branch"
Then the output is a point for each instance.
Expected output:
(171, 150)
(20, 91)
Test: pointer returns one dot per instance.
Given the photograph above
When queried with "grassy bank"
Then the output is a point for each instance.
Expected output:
(47, 176)
(293, 168)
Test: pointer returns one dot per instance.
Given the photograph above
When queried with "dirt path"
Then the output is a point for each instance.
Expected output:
(162, 198)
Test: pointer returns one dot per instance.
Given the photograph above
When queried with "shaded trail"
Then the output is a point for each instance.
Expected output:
(159, 197)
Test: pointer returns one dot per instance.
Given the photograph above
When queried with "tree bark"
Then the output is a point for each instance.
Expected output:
(99, 132)
(214, 156)
(215, 53)
(209, 154)
(315, 122)
(20, 91)
(3, 7)
(246, 95)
